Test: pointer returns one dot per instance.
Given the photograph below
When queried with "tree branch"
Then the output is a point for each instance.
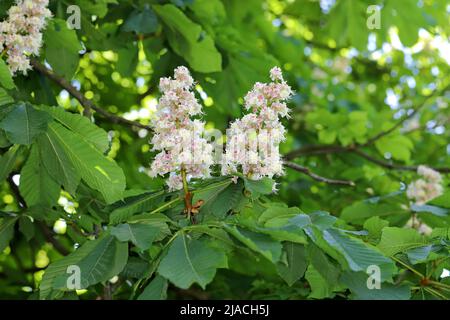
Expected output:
(316, 177)
(312, 150)
(87, 104)
(399, 123)
(394, 166)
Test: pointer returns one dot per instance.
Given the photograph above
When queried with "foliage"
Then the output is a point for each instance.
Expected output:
(370, 106)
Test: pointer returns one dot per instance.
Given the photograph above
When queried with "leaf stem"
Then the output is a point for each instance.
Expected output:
(187, 195)
(436, 293)
(408, 267)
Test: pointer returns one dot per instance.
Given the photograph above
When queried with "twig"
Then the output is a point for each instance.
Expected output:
(309, 150)
(394, 166)
(48, 234)
(87, 104)
(316, 177)
(409, 116)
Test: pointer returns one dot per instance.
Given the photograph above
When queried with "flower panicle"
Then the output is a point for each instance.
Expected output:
(21, 33)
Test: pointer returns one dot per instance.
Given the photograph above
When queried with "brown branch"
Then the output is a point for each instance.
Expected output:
(87, 104)
(48, 234)
(399, 123)
(316, 177)
(311, 150)
(390, 165)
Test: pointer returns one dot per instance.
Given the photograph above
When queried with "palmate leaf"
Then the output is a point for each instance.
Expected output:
(36, 185)
(258, 242)
(24, 123)
(220, 200)
(82, 126)
(8, 160)
(358, 254)
(57, 162)
(136, 204)
(357, 283)
(293, 268)
(141, 22)
(191, 261)
(141, 235)
(320, 288)
(99, 260)
(156, 290)
(99, 172)
(5, 98)
(184, 38)
(395, 240)
(6, 231)
(61, 48)
(6, 79)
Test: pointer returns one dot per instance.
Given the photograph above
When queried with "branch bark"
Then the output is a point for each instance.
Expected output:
(87, 104)
(314, 150)
(316, 177)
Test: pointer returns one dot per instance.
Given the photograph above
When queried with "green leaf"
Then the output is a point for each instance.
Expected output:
(358, 254)
(136, 268)
(5, 98)
(398, 146)
(7, 161)
(395, 240)
(142, 235)
(82, 126)
(36, 185)
(188, 40)
(6, 231)
(24, 123)
(319, 260)
(243, 69)
(156, 290)
(389, 207)
(141, 22)
(99, 260)
(419, 254)
(261, 243)
(99, 172)
(357, 283)
(347, 24)
(375, 226)
(26, 227)
(259, 187)
(320, 288)
(294, 266)
(6, 79)
(141, 203)
(128, 59)
(191, 261)
(62, 48)
(220, 200)
(98, 8)
(437, 211)
(57, 162)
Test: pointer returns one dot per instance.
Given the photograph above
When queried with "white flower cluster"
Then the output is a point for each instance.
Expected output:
(20, 34)
(253, 141)
(415, 223)
(178, 137)
(426, 188)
